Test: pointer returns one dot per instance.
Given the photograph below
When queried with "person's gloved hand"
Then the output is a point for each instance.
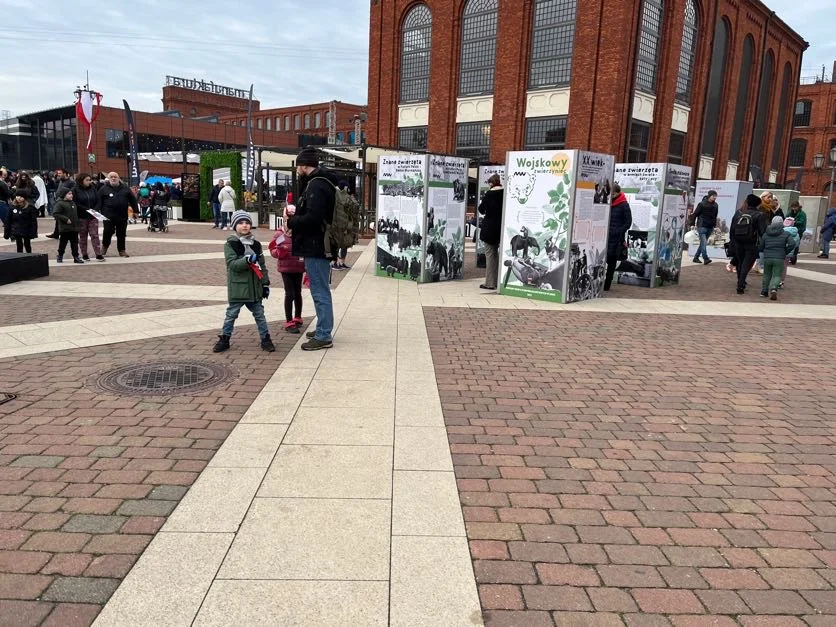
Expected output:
(253, 258)
(265, 292)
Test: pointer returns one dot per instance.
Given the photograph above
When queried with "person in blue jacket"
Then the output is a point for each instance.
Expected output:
(827, 230)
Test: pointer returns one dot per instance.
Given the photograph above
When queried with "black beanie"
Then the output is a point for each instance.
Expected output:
(308, 156)
(753, 201)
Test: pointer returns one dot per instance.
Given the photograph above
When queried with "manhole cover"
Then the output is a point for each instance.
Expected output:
(163, 378)
(5, 397)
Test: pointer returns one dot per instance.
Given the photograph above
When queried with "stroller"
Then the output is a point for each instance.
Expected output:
(159, 219)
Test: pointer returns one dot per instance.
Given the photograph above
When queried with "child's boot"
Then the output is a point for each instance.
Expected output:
(78, 260)
(267, 344)
(222, 344)
(291, 327)
(59, 259)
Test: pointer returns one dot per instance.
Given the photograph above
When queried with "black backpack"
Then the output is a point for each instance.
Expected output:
(744, 227)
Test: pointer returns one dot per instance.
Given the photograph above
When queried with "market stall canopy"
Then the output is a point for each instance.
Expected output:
(274, 159)
(174, 156)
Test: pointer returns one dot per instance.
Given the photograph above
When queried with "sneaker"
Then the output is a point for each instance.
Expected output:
(215, 226)
(291, 327)
(59, 259)
(781, 285)
(764, 294)
(310, 335)
(100, 258)
(740, 290)
(298, 322)
(123, 253)
(696, 260)
(344, 267)
(78, 260)
(316, 345)
(822, 256)
(267, 344)
(335, 266)
(86, 257)
(707, 261)
(773, 295)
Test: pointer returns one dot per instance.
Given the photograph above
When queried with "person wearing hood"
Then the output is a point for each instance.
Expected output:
(796, 212)
(114, 199)
(827, 231)
(21, 224)
(226, 198)
(489, 233)
(747, 226)
(621, 219)
(308, 221)
(705, 219)
(67, 222)
(775, 245)
(85, 198)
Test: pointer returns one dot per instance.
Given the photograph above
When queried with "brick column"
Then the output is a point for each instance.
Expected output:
(441, 134)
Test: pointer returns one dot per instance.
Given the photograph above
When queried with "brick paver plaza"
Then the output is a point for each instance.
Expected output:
(656, 457)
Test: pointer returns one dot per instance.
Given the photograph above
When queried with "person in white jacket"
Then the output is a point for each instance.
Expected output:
(226, 198)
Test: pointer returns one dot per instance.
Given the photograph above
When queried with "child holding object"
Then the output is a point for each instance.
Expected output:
(67, 224)
(775, 245)
(292, 269)
(247, 281)
(789, 227)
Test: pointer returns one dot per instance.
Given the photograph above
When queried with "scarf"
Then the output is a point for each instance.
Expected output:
(619, 199)
(247, 241)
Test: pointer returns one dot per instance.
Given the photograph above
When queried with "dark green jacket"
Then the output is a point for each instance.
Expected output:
(776, 243)
(800, 220)
(66, 217)
(242, 284)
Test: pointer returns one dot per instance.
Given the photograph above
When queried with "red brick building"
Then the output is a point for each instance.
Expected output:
(195, 103)
(305, 120)
(707, 84)
(814, 133)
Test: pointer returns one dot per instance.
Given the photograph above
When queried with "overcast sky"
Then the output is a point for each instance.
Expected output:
(294, 51)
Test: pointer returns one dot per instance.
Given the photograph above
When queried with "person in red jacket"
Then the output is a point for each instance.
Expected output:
(292, 269)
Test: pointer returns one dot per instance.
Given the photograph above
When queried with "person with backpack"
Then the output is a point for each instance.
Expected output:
(827, 231)
(747, 226)
(776, 244)
(313, 221)
(705, 219)
(144, 199)
(352, 209)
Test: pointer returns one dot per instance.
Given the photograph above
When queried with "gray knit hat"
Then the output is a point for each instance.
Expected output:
(239, 216)
(778, 220)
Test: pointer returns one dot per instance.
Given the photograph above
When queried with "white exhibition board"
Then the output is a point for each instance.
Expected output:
(421, 204)
(554, 225)
(730, 197)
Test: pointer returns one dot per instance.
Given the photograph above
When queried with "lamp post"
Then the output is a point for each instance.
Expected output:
(832, 175)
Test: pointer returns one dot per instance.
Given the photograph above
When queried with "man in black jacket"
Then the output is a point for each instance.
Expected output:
(308, 221)
(621, 219)
(114, 199)
(747, 226)
(705, 219)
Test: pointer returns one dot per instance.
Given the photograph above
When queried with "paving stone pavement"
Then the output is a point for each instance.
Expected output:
(644, 470)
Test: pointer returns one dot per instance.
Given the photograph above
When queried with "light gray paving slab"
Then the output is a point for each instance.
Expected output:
(414, 410)
(168, 583)
(426, 503)
(432, 583)
(317, 471)
(349, 425)
(296, 603)
(422, 448)
(249, 446)
(334, 539)
(380, 372)
(338, 394)
(217, 501)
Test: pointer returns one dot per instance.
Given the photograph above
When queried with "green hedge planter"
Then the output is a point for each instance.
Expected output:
(210, 161)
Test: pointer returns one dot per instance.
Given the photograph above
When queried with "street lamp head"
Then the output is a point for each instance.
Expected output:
(818, 161)
(833, 155)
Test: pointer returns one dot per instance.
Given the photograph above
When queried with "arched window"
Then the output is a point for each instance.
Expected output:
(716, 78)
(803, 111)
(685, 76)
(269, 124)
(260, 123)
(762, 115)
(317, 119)
(287, 122)
(798, 153)
(415, 54)
(307, 120)
(649, 35)
(278, 123)
(742, 103)
(552, 42)
(297, 124)
(783, 107)
(478, 60)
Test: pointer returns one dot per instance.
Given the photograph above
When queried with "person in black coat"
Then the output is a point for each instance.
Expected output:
(621, 219)
(22, 222)
(705, 219)
(114, 198)
(491, 230)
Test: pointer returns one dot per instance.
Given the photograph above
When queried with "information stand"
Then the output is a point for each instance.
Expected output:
(731, 195)
(554, 225)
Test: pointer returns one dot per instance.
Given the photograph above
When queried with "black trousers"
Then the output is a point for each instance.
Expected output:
(72, 238)
(292, 294)
(24, 242)
(120, 229)
(612, 262)
(746, 256)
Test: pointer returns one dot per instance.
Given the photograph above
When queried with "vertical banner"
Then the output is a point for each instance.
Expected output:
(485, 172)
(250, 146)
(671, 231)
(134, 165)
(535, 223)
(446, 207)
(642, 184)
(587, 263)
(401, 192)
(730, 196)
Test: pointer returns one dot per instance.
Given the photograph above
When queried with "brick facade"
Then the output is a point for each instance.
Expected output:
(344, 121)
(194, 103)
(819, 135)
(602, 80)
